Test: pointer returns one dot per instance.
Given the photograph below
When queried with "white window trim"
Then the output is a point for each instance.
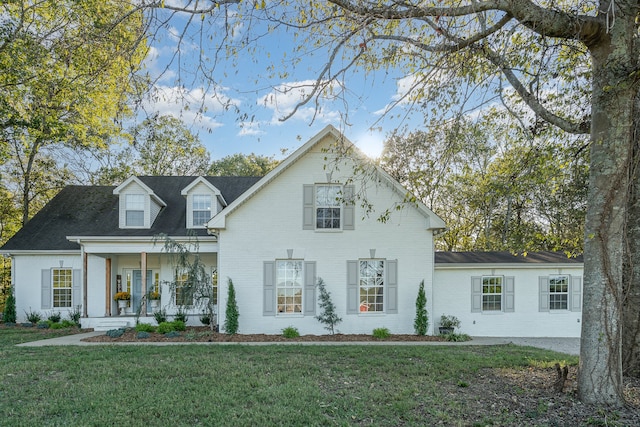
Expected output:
(53, 287)
(145, 212)
(384, 288)
(301, 287)
(192, 210)
(502, 285)
(340, 206)
(567, 293)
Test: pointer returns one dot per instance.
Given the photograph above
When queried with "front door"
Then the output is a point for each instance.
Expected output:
(136, 292)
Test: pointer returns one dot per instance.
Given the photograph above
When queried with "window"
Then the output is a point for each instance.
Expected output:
(184, 291)
(328, 205)
(62, 287)
(201, 209)
(289, 281)
(134, 210)
(492, 293)
(371, 286)
(558, 292)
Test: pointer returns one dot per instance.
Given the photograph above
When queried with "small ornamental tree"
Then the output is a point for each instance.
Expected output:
(231, 320)
(9, 315)
(328, 315)
(421, 322)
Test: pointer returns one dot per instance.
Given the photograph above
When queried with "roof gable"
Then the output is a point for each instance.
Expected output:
(350, 150)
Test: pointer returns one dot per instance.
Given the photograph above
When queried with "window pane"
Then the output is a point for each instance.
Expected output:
(201, 217)
(558, 292)
(289, 286)
(62, 282)
(492, 293)
(135, 218)
(371, 286)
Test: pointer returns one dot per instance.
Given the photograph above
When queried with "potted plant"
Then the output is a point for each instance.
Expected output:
(448, 324)
(122, 298)
(154, 299)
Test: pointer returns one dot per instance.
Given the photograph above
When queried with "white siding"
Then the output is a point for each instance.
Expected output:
(452, 296)
(269, 223)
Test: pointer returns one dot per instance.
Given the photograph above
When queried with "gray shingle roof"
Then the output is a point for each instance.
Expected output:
(505, 258)
(93, 211)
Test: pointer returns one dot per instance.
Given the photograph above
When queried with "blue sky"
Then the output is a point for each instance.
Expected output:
(244, 85)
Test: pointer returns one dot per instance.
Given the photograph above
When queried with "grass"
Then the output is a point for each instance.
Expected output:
(241, 385)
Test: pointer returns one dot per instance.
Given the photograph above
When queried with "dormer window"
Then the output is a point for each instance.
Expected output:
(201, 209)
(134, 210)
(328, 206)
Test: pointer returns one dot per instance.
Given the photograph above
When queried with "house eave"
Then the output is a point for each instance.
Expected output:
(40, 252)
(504, 265)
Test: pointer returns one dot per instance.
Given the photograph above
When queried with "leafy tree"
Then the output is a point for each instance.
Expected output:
(66, 75)
(191, 279)
(421, 322)
(231, 323)
(328, 315)
(243, 165)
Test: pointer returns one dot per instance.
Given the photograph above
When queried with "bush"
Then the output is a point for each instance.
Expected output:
(43, 324)
(143, 334)
(160, 316)
(33, 316)
(181, 315)
(179, 325)
(27, 325)
(453, 337)
(290, 332)
(381, 333)
(54, 317)
(205, 319)
(231, 322)
(9, 315)
(172, 334)
(165, 327)
(115, 333)
(421, 322)
(68, 324)
(145, 327)
(74, 315)
(54, 325)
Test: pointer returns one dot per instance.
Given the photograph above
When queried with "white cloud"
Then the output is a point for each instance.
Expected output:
(284, 98)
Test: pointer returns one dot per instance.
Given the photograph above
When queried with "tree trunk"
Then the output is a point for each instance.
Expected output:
(600, 373)
(631, 302)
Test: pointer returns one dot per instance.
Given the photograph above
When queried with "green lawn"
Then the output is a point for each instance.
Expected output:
(243, 385)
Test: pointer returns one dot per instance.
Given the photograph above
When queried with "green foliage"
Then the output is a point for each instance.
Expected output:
(179, 325)
(290, 332)
(66, 323)
(328, 315)
(115, 333)
(231, 322)
(33, 316)
(381, 333)
(9, 315)
(181, 315)
(145, 327)
(43, 324)
(74, 315)
(455, 337)
(165, 327)
(141, 335)
(243, 165)
(56, 325)
(204, 318)
(449, 321)
(172, 334)
(54, 317)
(421, 322)
(160, 315)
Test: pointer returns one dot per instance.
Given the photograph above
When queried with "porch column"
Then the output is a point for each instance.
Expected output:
(143, 267)
(85, 263)
(108, 287)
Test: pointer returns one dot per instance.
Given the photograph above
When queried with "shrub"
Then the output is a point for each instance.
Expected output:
(43, 324)
(160, 315)
(143, 334)
(421, 322)
(381, 333)
(33, 316)
(449, 321)
(54, 317)
(453, 337)
(54, 325)
(231, 322)
(205, 319)
(115, 333)
(172, 334)
(9, 315)
(181, 315)
(145, 327)
(67, 324)
(328, 315)
(75, 315)
(27, 325)
(165, 327)
(290, 332)
(179, 325)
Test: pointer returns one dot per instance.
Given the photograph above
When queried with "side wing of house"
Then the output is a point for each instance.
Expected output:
(304, 223)
(536, 297)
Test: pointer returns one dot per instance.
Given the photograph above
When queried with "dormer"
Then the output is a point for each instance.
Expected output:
(139, 205)
(204, 200)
